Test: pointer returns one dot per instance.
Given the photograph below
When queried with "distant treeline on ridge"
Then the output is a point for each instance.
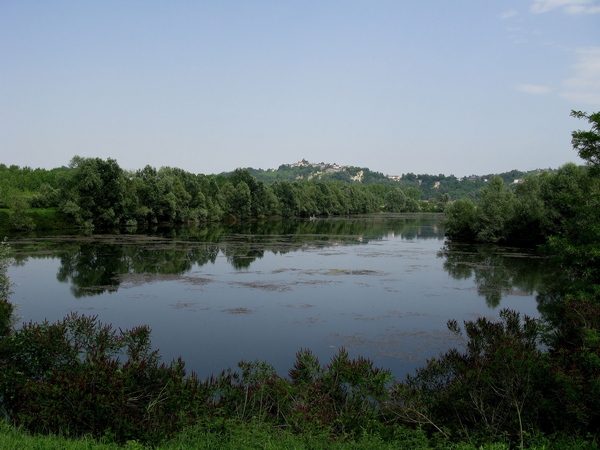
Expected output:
(92, 192)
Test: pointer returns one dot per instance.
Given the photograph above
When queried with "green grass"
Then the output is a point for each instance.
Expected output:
(233, 436)
(43, 219)
(12, 438)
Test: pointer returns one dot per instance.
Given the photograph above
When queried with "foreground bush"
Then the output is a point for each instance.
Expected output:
(232, 435)
(498, 388)
(79, 377)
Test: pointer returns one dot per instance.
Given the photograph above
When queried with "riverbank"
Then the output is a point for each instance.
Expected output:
(235, 436)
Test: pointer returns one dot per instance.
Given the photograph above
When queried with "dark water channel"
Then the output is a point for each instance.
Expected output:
(381, 286)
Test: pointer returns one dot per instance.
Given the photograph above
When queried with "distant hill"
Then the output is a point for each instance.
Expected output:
(431, 186)
(304, 170)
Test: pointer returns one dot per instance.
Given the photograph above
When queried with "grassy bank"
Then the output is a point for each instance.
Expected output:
(38, 219)
(233, 436)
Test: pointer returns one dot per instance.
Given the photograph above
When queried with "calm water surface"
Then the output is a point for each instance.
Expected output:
(382, 287)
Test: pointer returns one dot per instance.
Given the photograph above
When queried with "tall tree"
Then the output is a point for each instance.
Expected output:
(240, 201)
(587, 143)
(495, 210)
(96, 187)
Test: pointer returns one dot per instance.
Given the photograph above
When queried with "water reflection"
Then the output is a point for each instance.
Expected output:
(97, 264)
(94, 264)
(497, 271)
(217, 294)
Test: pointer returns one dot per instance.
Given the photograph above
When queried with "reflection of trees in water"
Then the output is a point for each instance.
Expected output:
(497, 271)
(376, 226)
(551, 304)
(242, 257)
(94, 268)
(92, 264)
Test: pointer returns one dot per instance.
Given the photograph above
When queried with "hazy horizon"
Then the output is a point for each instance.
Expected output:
(424, 87)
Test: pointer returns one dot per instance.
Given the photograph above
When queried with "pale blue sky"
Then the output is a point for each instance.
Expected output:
(427, 86)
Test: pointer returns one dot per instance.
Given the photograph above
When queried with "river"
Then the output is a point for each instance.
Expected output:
(382, 286)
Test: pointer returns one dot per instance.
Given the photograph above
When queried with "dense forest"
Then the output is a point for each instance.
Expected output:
(97, 193)
(518, 382)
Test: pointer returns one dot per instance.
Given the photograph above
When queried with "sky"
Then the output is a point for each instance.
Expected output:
(430, 86)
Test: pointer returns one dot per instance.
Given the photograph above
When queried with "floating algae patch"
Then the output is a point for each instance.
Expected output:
(369, 319)
(238, 311)
(361, 272)
(313, 283)
(100, 288)
(129, 280)
(332, 254)
(263, 285)
(304, 306)
(197, 281)
(284, 270)
(186, 305)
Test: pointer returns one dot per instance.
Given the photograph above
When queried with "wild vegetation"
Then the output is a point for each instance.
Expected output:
(518, 382)
(98, 194)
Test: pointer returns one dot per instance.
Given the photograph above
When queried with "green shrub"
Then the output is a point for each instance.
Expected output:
(459, 222)
(496, 389)
(79, 376)
(341, 398)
